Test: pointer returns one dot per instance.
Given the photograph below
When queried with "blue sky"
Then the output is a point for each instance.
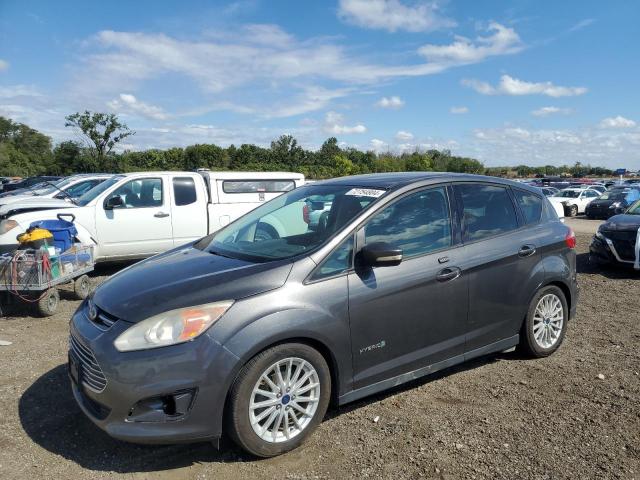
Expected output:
(525, 81)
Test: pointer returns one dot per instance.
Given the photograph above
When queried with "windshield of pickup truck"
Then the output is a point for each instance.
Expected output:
(52, 187)
(293, 223)
(97, 190)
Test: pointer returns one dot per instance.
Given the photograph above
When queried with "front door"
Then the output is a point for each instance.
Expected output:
(414, 314)
(141, 226)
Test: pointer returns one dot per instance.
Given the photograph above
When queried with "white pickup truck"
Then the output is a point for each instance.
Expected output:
(136, 215)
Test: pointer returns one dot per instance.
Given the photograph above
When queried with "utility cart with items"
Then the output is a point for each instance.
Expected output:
(47, 258)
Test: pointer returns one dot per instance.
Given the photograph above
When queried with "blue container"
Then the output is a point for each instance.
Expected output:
(63, 232)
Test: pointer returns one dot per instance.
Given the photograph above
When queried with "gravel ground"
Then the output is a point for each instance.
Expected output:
(573, 415)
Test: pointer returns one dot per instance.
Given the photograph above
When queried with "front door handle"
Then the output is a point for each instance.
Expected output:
(527, 250)
(161, 215)
(448, 274)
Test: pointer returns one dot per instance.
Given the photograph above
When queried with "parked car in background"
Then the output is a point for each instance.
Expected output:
(136, 215)
(261, 334)
(574, 200)
(68, 188)
(29, 182)
(617, 241)
(612, 202)
(598, 187)
(3, 182)
(549, 191)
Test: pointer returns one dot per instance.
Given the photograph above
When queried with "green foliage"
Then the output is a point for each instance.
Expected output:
(101, 131)
(24, 151)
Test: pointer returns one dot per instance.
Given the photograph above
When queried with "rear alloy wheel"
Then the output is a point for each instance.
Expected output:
(278, 399)
(546, 323)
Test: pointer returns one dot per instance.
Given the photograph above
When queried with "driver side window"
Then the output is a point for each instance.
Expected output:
(140, 193)
(418, 224)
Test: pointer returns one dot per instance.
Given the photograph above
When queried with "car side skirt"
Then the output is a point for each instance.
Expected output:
(429, 369)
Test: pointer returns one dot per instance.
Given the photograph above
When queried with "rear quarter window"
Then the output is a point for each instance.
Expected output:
(530, 205)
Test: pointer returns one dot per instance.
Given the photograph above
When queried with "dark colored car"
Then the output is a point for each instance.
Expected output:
(410, 274)
(612, 202)
(617, 241)
(29, 182)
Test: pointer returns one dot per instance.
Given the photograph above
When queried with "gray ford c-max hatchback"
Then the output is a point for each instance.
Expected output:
(253, 330)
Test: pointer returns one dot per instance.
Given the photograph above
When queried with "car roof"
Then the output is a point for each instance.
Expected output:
(397, 180)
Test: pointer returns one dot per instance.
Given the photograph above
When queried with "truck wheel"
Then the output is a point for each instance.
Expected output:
(81, 287)
(48, 303)
(544, 328)
(278, 399)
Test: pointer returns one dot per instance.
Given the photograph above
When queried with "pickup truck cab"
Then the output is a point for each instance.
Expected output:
(136, 215)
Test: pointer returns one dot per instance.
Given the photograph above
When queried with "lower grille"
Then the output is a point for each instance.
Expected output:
(90, 373)
(624, 243)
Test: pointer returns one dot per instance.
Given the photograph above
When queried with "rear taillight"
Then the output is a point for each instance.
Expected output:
(570, 239)
(305, 213)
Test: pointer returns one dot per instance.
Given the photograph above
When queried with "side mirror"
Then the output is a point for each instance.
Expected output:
(380, 254)
(113, 202)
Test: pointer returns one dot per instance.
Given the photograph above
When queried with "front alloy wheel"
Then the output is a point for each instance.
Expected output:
(279, 397)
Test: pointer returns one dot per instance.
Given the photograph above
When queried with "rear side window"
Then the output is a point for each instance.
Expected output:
(530, 204)
(418, 223)
(487, 211)
(184, 191)
(254, 186)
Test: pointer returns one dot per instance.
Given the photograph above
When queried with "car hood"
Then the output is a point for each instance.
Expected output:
(622, 223)
(605, 202)
(31, 204)
(185, 277)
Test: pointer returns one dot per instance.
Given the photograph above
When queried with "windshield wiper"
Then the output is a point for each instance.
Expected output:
(64, 192)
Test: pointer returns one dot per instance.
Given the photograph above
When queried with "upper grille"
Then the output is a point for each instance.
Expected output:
(90, 372)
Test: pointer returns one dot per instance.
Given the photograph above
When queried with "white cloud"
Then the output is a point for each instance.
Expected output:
(581, 24)
(513, 86)
(4, 65)
(393, 15)
(334, 125)
(378, 145)
(546, 111)
(14, 91)
(393, 102)
(403, 136)
(459, 110)
(129, 104)
(463, 51)
(617, 122)
(512, 145)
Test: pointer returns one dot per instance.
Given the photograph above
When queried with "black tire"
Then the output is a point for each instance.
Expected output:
(81, 287)
(264, 231)
(573, 211)
(48, 303)
(528, 343)
(237, 417)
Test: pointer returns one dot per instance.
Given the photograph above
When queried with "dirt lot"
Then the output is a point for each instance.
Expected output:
(499, 417)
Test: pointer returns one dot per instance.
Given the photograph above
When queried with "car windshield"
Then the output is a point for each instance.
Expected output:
(54, 186)
(284, 228)
(613, 195)
(97, 190)
(568, 194)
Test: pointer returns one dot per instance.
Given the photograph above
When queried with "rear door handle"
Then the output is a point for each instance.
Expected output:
(161, 215)
(448, 274)
(527, 250)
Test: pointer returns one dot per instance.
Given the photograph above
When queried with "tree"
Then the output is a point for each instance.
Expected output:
(100, 131)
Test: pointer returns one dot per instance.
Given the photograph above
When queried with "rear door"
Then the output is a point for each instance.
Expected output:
(188, 208)
(500, 261)
(142, 225)
(414, 314)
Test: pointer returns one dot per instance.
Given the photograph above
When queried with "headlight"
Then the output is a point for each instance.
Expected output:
(7, 225)
(172, 327)
(615, 205)
(599, 235)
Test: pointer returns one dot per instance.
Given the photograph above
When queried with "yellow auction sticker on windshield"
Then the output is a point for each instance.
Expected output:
(365, 192)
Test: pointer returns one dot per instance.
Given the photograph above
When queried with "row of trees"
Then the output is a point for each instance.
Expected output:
(25, 151)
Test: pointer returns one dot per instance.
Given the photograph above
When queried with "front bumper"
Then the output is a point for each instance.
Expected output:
(603, 250)
(201, 366)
